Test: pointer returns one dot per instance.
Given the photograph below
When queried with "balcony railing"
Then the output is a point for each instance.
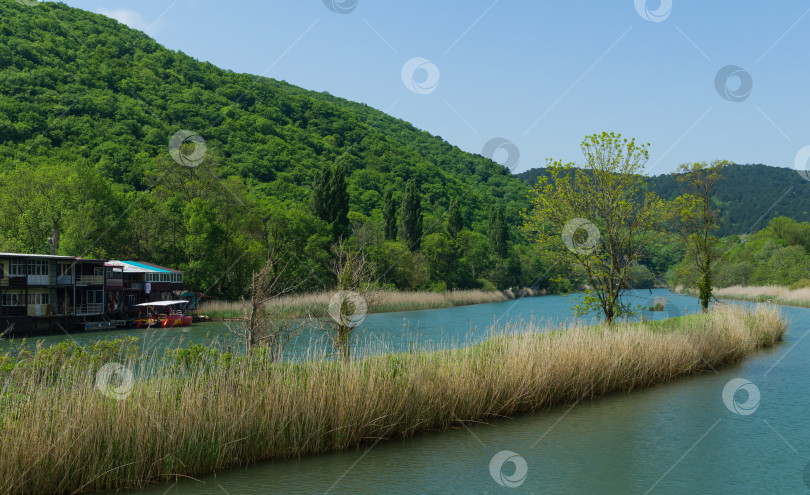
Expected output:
(12, 311)
(89, 279)
(89, 309)
(133, 285)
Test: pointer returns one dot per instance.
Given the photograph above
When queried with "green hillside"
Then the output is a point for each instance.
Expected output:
(748, 197)
(88, 108)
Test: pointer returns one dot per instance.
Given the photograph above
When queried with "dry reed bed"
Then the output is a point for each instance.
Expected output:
(381, 302)
(766, 293)
(66, 436)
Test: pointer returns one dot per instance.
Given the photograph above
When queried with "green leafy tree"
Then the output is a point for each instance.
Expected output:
(390, 215)
(498, 232)
(351, 269)
(411, 216)
(698, 220)
(454, 220)
(330, 199)
(61, 209)
(340, 203)
(440, 254)
(598, 217)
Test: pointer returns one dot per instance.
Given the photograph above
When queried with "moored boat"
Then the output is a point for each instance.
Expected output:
(164, 314)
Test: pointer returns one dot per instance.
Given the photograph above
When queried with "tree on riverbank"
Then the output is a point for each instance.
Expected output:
(697, 219)
(349, 305)
(598, 217)
(411, 216)
(262, 325)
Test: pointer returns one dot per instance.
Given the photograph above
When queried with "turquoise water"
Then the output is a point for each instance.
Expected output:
(675, 438)
(461, 325)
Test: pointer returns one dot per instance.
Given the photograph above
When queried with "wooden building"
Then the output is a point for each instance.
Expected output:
(40, 292)
(136, 282)
(44, 293)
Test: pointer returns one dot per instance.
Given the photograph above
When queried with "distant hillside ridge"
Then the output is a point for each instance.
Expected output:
(748, 197)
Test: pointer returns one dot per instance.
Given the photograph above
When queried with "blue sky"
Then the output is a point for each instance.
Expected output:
(541, 75)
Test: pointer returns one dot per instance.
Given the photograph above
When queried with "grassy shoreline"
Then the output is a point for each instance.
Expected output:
(769, 293)
(774, 294)
(316, 303)
(206, 412)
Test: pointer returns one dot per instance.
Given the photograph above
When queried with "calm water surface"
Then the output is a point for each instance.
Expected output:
(456, 326)
(674, 438)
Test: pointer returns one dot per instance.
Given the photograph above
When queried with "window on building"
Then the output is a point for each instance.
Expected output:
(65, 269)
(38, 267)
(38, 298)
(95, 297)
(2, 270)
(12, 299)
(16, 268)
(114, 273)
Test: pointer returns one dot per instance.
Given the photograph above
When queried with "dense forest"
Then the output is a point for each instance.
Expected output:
(93, 147)
(779, 254)
(747, 197)
(87, 112)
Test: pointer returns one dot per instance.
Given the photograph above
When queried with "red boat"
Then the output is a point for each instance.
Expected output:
(164, 314)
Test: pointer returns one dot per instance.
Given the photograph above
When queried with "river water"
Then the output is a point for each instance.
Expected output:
(447, 327)
(680, 437)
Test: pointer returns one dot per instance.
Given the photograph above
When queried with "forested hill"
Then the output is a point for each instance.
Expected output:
(78, 85)
(85, 93)
(748, 196)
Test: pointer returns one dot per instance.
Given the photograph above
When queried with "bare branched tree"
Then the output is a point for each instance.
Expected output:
(349, 305)
(262, 324)
(7, 331)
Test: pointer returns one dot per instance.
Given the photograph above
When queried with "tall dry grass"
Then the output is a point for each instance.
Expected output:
(316, 303)
(59, 434)
(767, 293)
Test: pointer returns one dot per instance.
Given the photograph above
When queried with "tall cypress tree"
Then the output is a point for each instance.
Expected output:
(390, 215)
(330, 199)
(320, 193)
(411, 215)
(340, 202)
(454, 221)
(498, 232)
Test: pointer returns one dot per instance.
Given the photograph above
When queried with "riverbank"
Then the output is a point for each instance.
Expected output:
(205, 411)
(317, 303)
(769, 293)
